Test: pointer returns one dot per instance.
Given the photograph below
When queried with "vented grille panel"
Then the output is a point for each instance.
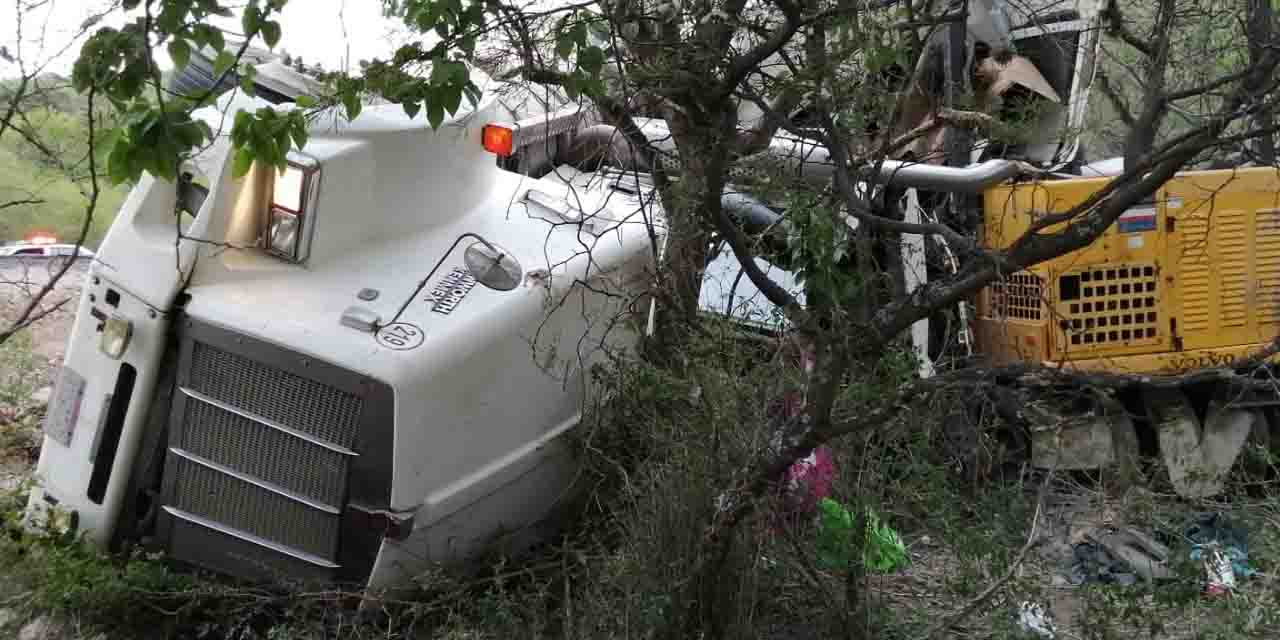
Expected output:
(1019, 296)
(222, 552)
(306, 405)
(240, 505)
(1267, 245)
(1111, 305)
(1233, 263)
(1195, 276)
(264, 453)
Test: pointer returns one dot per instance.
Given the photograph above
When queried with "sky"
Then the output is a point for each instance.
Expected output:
(325, 31)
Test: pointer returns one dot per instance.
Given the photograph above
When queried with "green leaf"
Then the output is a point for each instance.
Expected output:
(271, 33)
(240, 128)
(351, 101)
(243, 160)
(435, 113)
(223, 62)
(282, 139)
(451, 98)
(282, 159)
(591, 59)
(118, 163)
(564, 46)
(246, 82)
(215, 38)
(299, 131)
(458, 74)
(250, 20)
(411, 109)
(305, 101)
(180, 51)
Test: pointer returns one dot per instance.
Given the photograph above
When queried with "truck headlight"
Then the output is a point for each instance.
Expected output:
(116, 332)
(282, 233)
(292, 204)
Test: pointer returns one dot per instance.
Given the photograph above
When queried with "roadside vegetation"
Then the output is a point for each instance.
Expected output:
(39, 182)
(680, 528)
(964, 507)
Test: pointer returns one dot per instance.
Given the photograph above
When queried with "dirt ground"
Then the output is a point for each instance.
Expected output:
(21, 281)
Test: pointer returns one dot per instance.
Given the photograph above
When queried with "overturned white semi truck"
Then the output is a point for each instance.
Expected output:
(366, 364)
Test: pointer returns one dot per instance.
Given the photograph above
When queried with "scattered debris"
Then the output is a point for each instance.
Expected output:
(1222, 547)
(1033, 618)
(883, 551)
(1092, 563)
(1105, 554)
(1119, 556)
(1219, 577)
(808, 482)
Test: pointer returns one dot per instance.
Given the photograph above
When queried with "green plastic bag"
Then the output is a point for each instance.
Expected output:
(884, 550)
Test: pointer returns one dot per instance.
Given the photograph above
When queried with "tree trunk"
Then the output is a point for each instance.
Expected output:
(1146, 128)
(1259, 30)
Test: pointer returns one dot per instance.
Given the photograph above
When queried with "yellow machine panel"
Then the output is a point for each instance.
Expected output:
(1188, 279)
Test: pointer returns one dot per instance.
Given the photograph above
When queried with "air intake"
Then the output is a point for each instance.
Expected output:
(264, 448)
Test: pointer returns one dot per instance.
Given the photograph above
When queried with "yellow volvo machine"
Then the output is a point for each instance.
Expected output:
(1185, 281)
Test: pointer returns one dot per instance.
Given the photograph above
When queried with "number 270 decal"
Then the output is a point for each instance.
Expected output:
(400, 336)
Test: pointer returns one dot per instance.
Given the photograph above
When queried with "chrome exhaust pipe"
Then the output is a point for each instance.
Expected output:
(931, 177)
(813, 162)
(809, 158)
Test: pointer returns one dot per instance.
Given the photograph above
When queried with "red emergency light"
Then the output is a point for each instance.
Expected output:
(497, 139)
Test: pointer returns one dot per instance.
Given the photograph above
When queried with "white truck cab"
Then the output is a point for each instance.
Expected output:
(345, 371)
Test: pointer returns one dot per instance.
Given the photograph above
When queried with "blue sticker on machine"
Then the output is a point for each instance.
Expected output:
(1138, 219)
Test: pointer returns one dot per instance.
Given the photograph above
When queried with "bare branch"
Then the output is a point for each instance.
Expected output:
(1116, 24)
(24, 317)
(18, 203)
(1014, 566)
(1117, 101)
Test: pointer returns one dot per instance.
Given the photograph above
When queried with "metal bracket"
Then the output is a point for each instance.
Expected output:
(393, 525)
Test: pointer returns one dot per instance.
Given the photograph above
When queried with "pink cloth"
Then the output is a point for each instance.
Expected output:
(808, 481)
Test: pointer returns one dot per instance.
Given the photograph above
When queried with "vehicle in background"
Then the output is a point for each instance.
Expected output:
(26, 250)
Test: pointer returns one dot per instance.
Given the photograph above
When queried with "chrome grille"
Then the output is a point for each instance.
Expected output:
(293, 401)
(269, 454)
(249, 508)
(207, 546)
(261, 455)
